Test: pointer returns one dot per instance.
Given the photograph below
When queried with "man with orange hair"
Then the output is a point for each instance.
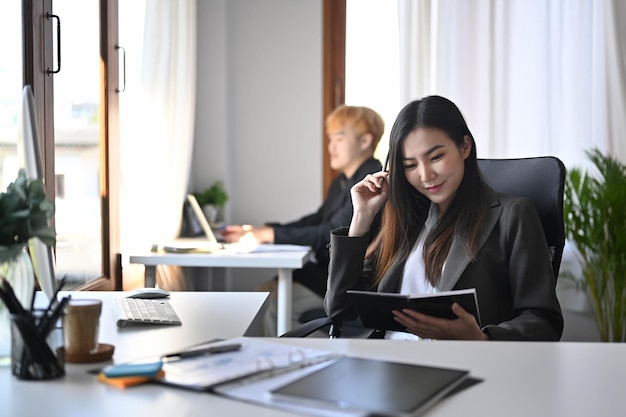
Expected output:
(353, 133)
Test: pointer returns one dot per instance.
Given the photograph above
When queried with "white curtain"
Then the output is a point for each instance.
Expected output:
(157, 128)
(532, 77)
(615, 44)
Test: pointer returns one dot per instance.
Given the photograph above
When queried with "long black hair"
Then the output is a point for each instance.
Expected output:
(406, 208)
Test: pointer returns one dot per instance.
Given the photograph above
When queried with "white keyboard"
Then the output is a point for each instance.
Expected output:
(148, 311)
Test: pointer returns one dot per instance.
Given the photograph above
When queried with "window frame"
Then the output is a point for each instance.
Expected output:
(37, 56)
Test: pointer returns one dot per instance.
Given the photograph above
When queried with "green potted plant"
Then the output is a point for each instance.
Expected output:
(212, 199)
(24, 215)
(595, 222)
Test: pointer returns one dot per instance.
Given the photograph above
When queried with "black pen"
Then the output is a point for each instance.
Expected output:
(50, 318)
(54, 299)
(385, 169)
(211, 350)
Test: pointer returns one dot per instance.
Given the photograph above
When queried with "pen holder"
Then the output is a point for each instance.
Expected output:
(37, 346)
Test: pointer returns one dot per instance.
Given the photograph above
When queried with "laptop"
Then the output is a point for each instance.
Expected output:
(206, 244)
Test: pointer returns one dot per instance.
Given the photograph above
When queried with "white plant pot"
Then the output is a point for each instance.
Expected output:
(210, 211)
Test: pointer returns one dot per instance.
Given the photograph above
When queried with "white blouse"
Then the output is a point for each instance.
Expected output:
(414, 276)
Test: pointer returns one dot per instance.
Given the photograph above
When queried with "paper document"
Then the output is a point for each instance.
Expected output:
(307, 380)
(255, 359)
(189, 245)
(263, 248)
(259, 392)
(202, 245)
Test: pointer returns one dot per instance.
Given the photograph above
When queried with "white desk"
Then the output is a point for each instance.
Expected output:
(285, 262)
(204, 316)
(520, 380)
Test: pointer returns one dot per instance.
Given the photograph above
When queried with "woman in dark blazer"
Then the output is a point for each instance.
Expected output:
(444, 228)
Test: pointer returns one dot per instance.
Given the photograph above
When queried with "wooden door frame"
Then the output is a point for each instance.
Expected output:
(37, 58)
(109, 145)
(334, 72)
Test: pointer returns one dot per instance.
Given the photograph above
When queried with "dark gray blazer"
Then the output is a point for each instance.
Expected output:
(512, 274)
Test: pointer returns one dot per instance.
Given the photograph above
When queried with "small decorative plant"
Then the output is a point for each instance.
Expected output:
(214, 195)
(595, 221)
(24, 214)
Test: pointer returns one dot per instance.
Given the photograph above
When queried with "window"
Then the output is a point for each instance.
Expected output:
(77, 111)
(10, 90)
(372, 61)
(76, 142)
(359, 66)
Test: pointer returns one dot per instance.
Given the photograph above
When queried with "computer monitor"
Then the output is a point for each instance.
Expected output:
(29, 157)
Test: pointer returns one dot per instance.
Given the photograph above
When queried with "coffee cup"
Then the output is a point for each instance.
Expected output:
(81, 324)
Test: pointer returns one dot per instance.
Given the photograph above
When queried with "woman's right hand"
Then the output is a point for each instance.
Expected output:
(368, 198)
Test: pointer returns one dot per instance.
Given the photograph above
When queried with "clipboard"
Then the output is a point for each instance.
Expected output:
(332, 389)
(373, 387)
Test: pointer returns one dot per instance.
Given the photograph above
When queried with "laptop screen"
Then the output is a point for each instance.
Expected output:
(204, 223)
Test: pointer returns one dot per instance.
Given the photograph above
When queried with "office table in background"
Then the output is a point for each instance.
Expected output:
(284, 261)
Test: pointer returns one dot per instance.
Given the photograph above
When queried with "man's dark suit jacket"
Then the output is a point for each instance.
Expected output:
(314, 229)
(512, 274)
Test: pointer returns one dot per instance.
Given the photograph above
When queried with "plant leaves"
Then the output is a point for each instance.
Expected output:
(595, 221)
(25, 213)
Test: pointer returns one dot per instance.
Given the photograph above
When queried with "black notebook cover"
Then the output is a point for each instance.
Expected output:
(375, 308)
(373, 386)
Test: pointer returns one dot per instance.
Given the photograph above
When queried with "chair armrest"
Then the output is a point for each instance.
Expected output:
(308, 327)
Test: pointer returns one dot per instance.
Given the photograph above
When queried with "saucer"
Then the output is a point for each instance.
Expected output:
(104, 353)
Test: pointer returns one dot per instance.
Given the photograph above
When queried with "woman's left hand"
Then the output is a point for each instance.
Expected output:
(464, 327)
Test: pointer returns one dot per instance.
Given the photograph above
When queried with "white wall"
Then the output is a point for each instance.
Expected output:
(259, 120)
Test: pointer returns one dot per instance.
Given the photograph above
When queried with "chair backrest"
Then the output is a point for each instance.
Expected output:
(539, 179)
(542, 181)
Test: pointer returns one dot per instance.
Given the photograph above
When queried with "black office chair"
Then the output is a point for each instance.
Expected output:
(540, 179)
